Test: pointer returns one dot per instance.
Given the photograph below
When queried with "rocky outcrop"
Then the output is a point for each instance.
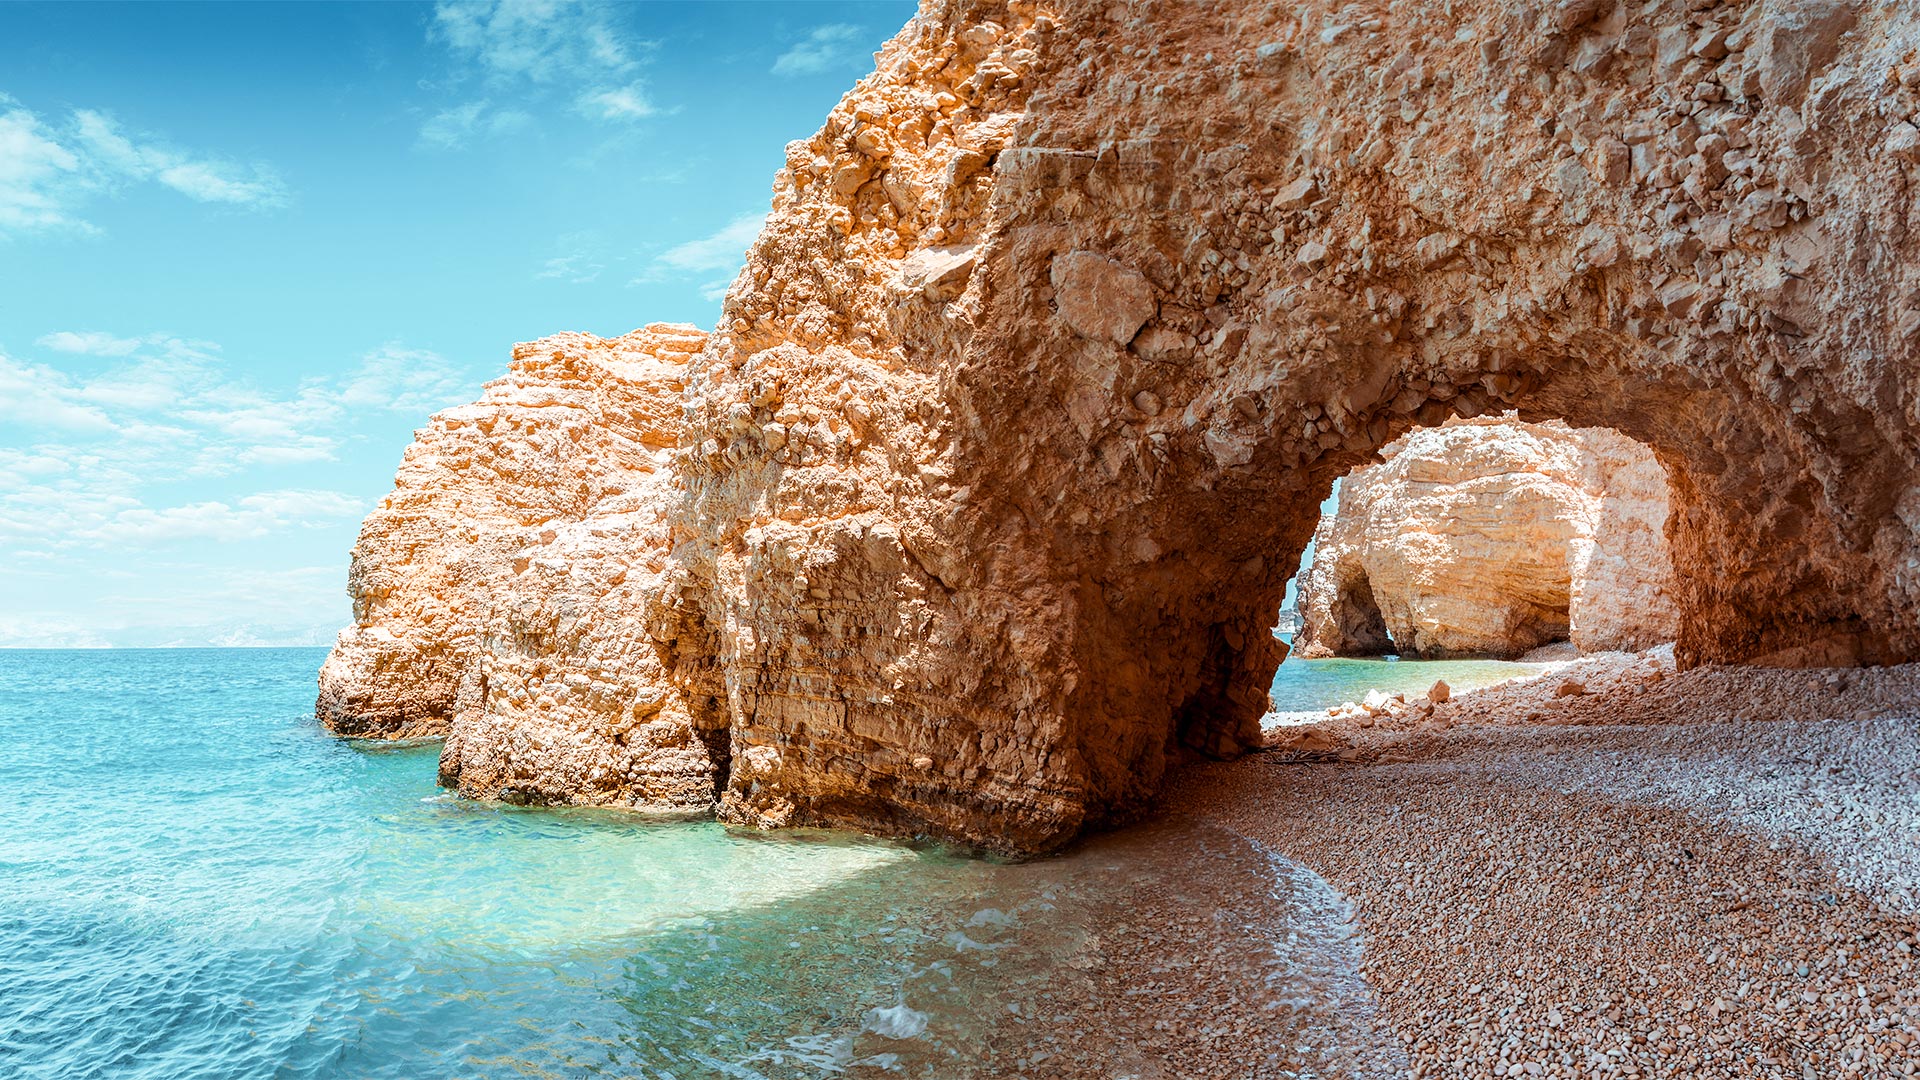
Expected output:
(495, 589)
(989, 481)
(1490, 539)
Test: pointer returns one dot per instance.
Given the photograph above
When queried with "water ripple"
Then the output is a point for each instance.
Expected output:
(197, 882)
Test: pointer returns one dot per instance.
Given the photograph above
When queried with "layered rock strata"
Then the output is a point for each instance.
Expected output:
(1490, 539)
(989, 481)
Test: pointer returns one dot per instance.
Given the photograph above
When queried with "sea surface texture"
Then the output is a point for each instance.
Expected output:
(195, 881)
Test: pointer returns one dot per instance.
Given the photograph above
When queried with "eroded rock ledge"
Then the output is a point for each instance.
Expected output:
(1489, 538)
(974, 510)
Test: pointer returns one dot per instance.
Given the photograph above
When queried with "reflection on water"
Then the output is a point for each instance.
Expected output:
(198, 882)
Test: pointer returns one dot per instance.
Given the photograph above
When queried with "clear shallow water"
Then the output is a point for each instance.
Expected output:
(197, 882)
(1312, 685)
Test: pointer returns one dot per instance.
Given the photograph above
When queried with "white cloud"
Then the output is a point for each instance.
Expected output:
(209, 183)
(404, 380)
(538, 40)
(724, 250)
(163, 413)
(38, 396)
(295, 451)
(252, 517)
(195, 521)
(115, 158)
(825, 48)
(35, 173)
(89, 342)
(163, 409)
(149, 495)
(47, 174)
(451, 127)
(454, 127)
(507, 121)
(575, 269)
(536, 48)
(256, 419)
(628, 102)
(146, 388)
(304, 505)
(18, 467)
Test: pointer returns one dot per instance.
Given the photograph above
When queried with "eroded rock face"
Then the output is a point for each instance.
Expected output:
(496, 589)
(1490, 539)
(946, 554)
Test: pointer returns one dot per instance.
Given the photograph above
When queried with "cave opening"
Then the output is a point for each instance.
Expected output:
(1360, 614)
(1488, 542)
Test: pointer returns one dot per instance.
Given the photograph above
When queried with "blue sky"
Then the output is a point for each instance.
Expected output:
(245, 249)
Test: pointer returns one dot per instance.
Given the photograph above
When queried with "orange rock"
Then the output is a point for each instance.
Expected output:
(897, 514)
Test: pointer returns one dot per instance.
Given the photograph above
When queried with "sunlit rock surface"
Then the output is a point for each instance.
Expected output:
(1490, 539)
(496, 589)
(985, 490)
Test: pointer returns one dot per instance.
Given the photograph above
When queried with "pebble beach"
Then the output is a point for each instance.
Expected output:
(1699, 874)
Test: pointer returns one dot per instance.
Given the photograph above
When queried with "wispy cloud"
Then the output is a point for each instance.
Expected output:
(36, 173)
(404, 380)
(82, 448)
(199, 178)
(164, 397)
(249, 518)
(453, 127)
(825, 48)
(628, 102)
(725, 250)
(89, 342)
(48, 172)
(537, 40)
(37, 396)
(578, 268)
(532, 50)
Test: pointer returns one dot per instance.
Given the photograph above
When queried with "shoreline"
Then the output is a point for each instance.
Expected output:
(1706, 894)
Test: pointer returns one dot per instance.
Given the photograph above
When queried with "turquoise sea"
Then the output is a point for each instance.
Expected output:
(1313, 685)
(197, 882)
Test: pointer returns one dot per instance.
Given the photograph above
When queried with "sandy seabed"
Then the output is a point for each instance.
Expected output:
(1713, 873)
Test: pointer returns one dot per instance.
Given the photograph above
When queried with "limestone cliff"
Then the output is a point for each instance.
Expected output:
(988, 482)
(1490, 539)
(495, 589)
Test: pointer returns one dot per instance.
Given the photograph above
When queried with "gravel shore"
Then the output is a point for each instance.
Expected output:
(1563, 882)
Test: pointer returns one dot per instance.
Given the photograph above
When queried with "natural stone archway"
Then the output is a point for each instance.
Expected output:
(1488, 538)
(1020, 413)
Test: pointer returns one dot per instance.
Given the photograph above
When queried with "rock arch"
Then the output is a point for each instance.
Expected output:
(985, 488)
(1490, 537)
